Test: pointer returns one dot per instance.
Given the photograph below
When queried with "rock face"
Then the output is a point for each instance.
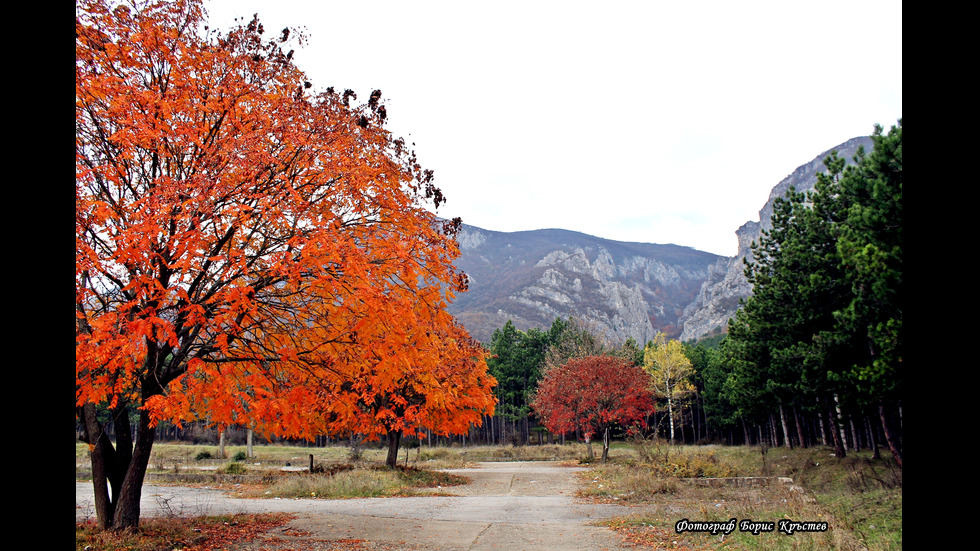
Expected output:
(625, 289)
(531, 278)
(718, 299)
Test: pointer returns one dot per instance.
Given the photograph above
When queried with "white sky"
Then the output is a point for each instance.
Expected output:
(655, 121)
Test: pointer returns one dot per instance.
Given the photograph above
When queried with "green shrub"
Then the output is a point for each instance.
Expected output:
(240, 456)
(203, 455)
(234, 468)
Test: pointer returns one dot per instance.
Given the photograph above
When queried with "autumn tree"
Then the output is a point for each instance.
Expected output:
(248, 251)
(592, 394)
(670, 373)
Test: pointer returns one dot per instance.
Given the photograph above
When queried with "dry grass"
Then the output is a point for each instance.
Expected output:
(859, 499)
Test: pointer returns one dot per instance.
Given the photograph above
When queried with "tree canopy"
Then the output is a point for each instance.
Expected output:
(249, 250)
(671, 373)
(824, 323)
(591, 394)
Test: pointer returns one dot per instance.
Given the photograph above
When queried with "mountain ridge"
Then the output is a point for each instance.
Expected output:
(625, 289)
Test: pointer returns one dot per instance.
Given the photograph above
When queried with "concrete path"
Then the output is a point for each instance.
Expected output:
(509, 505)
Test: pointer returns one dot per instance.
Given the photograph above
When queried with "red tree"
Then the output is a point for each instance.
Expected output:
(592, 394)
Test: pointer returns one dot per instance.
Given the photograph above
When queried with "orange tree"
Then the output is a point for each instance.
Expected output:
(248, 251)
(591, 394)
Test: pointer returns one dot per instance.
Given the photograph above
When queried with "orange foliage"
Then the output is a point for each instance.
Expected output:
(251, 252)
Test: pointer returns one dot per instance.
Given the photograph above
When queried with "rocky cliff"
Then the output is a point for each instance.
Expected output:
(625, 289)
(718, 298)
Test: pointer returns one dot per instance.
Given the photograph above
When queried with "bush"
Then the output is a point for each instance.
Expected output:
(240, 456)
(234, 468)
(203, 455)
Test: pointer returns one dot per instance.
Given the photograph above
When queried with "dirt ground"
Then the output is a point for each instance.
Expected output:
(508, 505)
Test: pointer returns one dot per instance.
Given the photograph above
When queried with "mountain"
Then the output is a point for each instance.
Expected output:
(533, 277)
(622, 289)
(718, 299)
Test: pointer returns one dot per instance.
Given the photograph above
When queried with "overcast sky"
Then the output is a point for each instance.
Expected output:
(655, 121)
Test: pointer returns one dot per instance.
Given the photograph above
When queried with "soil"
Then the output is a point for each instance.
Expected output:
(528, 505)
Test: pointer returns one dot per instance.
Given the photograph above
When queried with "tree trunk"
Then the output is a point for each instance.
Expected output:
(100, 450)
(839, 449)
(855, 437)
(823, 428)
(394, 438)
(788, 442)
(800, 437)
(605, 444)
(248, 443)
(872, 438)
(670, 415)
(890, 437)
(127, 513)
(841, 429)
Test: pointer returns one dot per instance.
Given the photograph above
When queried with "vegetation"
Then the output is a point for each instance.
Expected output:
(670, 373)
(815, 354)
(249, 251)
(858, 496)
(589, 395)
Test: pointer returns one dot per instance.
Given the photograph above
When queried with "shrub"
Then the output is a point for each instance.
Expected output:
(234, 468)
(203, 455)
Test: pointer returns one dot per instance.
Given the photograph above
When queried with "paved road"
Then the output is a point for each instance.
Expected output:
(509, 505)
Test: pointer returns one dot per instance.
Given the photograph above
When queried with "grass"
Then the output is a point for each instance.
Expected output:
(358, 481)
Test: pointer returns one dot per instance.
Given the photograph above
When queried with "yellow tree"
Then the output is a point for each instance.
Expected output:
(670, 373)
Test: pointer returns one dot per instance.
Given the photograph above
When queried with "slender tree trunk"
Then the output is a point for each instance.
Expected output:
(839, 448)
(872, 438)
(855, 437)
(788, 442)
(221, 443)
(800, 438)
(823, 428)
(839, 421)
(605, 444)
(670, 415)
(890, 437)
(248, 442)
